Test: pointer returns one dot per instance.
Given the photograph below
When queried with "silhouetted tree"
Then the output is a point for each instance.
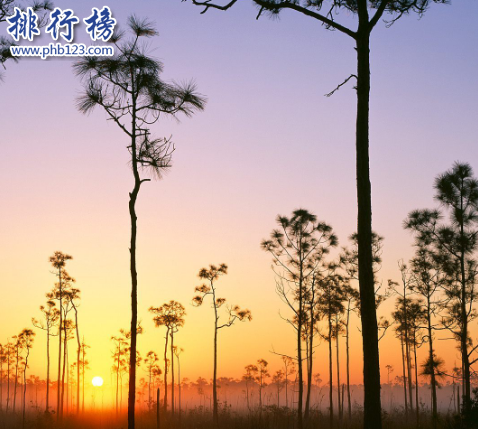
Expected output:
(297, 248)
(26, 339)
(58, 261)
(428, 277)
(278, 380)
(403, 318)
(177, 352)
(456, 243)
(121, 347)
(8, 351)
(17, 348)
(84, 365)
(74, 297)
(249, 377)
(389, 371)
(289, 369)
(262, 374)
(210, 275)
(151, 361)
(50, 316)
(7, 8)
(330, 304)
(171, 315)
(368, 14)
(129, 88)
(351, 297)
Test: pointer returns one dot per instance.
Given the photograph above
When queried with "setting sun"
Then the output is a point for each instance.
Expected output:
(97, 381)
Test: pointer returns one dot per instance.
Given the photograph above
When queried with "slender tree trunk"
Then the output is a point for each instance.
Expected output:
(16, 383)
(310, 352)
(25, 386)
(172, 371)
(117, 379)
(60, 327)
(409, 369)
(464, 336)
(1, 380)
(78, 350)
(214, 378)
(299, 352)
(83, 377)
(134, 275)
(47, 368)
(371, 368)
(8, 378)
(65, 354)
(416, 381)
(286, 385)
(404, 377)
(431, 358)
(165, 397)
(179, 389)
(331, 399)
(349, 399)
(338, 368)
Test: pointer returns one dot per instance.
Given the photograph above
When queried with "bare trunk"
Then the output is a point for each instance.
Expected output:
(78, 350)
(310, 354)
(58, 414)
(47, 369)
(215, 415)
(134, 275)
(404, 377)
(65, 351)
(299, 356)
(172, 371)
(371, 368)
(165, 397)
(431, 357)
(25, 387)
(339, 402)
(416, 383)
(349, 399)
(179, 389)
(331, 399)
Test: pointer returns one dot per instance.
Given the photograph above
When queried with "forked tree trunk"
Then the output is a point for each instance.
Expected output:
(371, 370)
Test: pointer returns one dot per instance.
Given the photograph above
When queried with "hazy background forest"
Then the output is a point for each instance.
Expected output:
(266, 142)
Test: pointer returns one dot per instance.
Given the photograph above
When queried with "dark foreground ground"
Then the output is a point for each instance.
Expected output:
(269, 418)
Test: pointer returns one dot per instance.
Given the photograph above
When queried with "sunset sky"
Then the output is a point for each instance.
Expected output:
(267, 143)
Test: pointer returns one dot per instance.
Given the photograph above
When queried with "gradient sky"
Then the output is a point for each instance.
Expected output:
(267, 143)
